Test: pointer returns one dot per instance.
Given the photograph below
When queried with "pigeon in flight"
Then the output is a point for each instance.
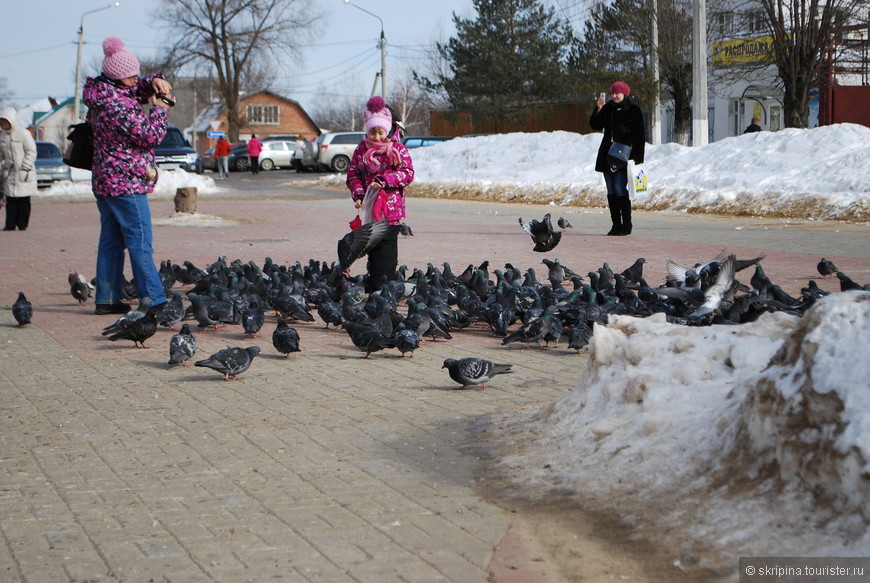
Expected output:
(231, 361)
(356, 244)
(542, 233)
(182, 346)
(22, 310)
(474, 371)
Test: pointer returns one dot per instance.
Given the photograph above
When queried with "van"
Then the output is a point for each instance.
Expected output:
(174, 153)
(335, 149)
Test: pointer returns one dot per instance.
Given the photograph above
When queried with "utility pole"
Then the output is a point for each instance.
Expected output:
(655, 116)
(699, 73)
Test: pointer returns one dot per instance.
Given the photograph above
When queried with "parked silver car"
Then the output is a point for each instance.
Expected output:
(335, 149)
(276, 154)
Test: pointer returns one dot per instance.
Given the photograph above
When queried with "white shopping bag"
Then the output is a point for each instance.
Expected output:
(638, 183)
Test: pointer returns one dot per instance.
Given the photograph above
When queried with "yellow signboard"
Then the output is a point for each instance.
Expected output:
(758, 49)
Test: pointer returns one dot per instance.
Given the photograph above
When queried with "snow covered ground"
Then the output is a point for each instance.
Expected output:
(720, 441)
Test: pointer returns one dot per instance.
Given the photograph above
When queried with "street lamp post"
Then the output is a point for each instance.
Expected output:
(77, 99)
(383, 45)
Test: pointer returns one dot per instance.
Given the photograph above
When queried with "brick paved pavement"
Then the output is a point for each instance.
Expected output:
(320, 467)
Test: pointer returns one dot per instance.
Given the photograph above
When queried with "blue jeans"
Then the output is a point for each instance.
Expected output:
(617, 182)
(125, 223)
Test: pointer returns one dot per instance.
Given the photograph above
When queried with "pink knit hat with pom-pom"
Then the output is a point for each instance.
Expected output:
(119, 62)
(377, 115)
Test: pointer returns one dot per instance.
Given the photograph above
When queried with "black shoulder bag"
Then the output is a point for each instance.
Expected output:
(80, 151)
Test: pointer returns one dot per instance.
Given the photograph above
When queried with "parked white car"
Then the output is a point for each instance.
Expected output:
(335, 149)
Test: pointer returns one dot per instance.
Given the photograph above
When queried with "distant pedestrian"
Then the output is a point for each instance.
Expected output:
(124, 173)
(17, 170)
(753, 126)
(254, 149)
(222, 153)
(380, 168)
(622, 122)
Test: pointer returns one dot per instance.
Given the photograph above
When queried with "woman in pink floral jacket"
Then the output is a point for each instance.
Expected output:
(124, 173)
(383, 168)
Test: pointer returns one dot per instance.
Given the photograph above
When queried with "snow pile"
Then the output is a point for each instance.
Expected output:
(719, 441)
(167, 183)
(791, 173)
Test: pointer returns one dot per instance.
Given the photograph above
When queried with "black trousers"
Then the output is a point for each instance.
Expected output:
(383, 260)
(255, 164)
(17, 212)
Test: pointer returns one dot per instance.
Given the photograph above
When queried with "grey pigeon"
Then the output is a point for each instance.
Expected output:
(367, 338)
(285, 339)
(826, 267)
(201, 312)
(231, 361)
(405, 230)
(172, 312)
(22, 310)
(407, 340)
(138, 330)
(579, 336)
(533, 330)
(633, 273)
(847, 283)
(182, 346)
(126, 320)
(356, 244)
(542, 233)
(253, 319)
(79, 287)
(564, 224)
(474, 371)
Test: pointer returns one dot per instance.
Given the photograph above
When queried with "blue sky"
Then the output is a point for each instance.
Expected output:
(38, 44)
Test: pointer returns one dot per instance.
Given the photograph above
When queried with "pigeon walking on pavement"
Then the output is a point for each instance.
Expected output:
(564, 224)
(79, 288)
(231, 361)
(138, 330)
(285, 339)
(474, 371)
(22, 310)
(367, 338)
(182, 346)
(826, 267)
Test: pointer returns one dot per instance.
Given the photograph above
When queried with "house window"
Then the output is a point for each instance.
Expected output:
(756, 21)
(724, 23)
(264, 115)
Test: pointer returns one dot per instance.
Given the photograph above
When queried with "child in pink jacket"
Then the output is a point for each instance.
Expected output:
(381, 167)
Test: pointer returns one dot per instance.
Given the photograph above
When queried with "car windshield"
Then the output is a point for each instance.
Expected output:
(173, 139)
(47, 150)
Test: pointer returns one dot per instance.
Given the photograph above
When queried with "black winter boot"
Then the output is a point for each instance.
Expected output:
(615, 216)
(625, 215)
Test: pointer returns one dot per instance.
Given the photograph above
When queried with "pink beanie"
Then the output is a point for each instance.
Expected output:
(119, 62)
(377, 115)
(620, 87)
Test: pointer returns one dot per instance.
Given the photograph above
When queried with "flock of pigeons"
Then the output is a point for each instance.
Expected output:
(517, 306)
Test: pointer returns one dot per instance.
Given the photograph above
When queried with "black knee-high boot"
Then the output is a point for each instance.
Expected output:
(625, 214)
(615, 216)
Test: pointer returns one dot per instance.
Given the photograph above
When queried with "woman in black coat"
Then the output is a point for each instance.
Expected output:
(622, 122)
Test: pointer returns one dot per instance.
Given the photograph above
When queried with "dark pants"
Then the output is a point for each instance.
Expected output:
(17, 212)
(383, 260)
(255, 164)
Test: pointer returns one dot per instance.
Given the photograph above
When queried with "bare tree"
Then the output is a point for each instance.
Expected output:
(804, 33)
(237, 39)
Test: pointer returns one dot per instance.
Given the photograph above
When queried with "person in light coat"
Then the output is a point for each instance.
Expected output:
(17, 170)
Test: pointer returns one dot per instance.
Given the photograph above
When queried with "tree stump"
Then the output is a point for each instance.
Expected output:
(185, 199)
